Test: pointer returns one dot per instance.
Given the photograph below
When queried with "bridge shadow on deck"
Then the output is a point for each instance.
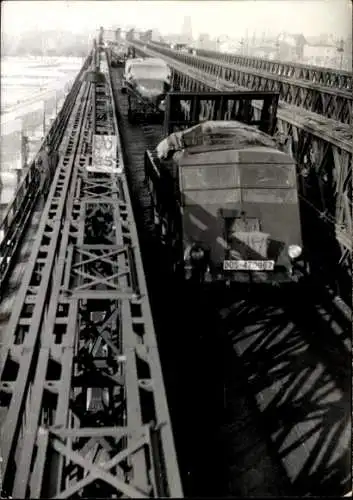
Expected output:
(291, 364)
(305, 401)
(298, 371)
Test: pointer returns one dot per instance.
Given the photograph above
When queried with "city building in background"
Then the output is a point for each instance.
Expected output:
(326, 50)
(205, 42)
(290, 47)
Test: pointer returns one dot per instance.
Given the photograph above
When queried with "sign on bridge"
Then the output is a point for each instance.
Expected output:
(104, 155)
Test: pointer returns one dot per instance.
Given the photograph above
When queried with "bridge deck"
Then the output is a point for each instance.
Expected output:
(302, 395)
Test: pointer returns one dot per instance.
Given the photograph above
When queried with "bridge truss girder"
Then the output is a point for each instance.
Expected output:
(25, 332)
(327, 77)
(333, 103)
(81, 383)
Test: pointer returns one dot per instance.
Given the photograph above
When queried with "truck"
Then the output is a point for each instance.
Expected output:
(224, 192)
(118, 54)
(146, 82)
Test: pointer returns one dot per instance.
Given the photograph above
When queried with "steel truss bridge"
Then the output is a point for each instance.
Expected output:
(83, 404)
(314, 117)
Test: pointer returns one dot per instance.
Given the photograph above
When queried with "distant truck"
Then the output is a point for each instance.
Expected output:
(224, 193)
(183, 47)
(118, 55)
(146, 81)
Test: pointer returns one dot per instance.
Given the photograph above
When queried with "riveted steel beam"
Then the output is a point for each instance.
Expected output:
(32, 300)
(329, 77)
(93, 364)
(327, 101)
(332, 103)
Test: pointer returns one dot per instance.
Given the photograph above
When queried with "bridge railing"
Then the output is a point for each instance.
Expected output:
(339, 78)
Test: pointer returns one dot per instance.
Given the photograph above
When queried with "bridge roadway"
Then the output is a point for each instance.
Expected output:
(83, 405)
(321, 146)
(80, 372)
(265, 381)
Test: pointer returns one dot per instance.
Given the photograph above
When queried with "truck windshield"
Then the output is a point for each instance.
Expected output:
(210, 177)
(265, 176)
(149, 71)
(152, 84)
(254, 176)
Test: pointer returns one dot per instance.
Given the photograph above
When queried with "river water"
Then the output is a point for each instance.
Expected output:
(22, 77)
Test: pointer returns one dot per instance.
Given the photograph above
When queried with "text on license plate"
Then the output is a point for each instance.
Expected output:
(248, 265)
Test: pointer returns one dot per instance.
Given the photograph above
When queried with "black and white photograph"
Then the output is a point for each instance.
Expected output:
(176, 249)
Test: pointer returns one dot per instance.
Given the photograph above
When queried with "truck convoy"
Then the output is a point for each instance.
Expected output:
(146, 82)
(224, 192)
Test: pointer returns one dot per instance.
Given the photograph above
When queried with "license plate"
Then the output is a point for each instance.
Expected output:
(248, 265)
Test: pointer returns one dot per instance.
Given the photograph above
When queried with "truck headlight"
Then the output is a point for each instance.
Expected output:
(197, 253)
(294, 251)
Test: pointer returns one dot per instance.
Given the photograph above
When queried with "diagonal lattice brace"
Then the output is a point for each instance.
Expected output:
(111, 252)
(93, 256)
(100, 329)
(104, 197)
(101, 471)
(95, 280)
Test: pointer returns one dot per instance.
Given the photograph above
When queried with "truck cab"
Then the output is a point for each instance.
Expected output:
(118, 55)
(128, 72)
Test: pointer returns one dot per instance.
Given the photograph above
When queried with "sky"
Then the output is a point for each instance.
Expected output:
(228, 17)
